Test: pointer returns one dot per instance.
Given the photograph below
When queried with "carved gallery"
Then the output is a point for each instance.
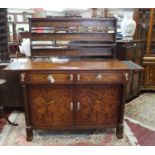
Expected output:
(77, 77)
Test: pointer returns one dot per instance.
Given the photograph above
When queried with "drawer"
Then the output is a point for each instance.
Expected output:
(101, 77)
(46, 77)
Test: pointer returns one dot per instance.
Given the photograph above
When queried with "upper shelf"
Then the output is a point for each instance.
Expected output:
(72, 22)
(82, 36)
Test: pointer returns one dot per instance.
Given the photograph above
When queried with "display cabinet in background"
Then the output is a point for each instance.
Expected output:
(148, 82)
(4, 54)
(145, 31)
(12, 88)
(18, 22)
(131, 51)
(141, 16)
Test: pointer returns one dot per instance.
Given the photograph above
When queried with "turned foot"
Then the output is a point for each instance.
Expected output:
(119, 131)
(29, 134)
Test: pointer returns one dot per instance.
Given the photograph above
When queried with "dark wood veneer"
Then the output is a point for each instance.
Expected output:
(82, 94)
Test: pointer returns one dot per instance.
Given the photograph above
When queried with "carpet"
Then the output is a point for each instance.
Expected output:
(139, 130)
(140, 117)
(16, 136)
(142, 109)
(143, 136)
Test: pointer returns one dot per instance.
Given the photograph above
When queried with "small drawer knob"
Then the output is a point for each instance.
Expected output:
(51, 78)
(22, 76)
(71, 77)
(71, 106)
(78, 106)
(126, 76)
(99, 77)
(78, 77)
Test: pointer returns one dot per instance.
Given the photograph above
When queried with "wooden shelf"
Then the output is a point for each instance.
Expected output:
(55, 33)
(83, 43)
(71, 19)
(75, 45)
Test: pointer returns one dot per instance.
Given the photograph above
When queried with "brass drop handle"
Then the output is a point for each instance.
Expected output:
(78, 77)
(71, 106)
(22, 76)
(78, 106)
(71, 77)
(126, 76)
(51, 78)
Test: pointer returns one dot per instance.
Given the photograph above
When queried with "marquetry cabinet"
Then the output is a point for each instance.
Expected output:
(73, 95)
(57, 105)
(133, 51)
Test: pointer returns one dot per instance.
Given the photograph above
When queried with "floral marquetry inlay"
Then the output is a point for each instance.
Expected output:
(99, 104)
(51, 105)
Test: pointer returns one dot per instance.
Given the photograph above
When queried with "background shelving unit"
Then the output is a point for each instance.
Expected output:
(4, 54)
(148, 81)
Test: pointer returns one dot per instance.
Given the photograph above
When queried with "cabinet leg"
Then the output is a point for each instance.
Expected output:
(29, 133)
(119, 131)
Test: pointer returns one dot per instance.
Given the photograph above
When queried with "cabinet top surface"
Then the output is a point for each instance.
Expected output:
(30, 65)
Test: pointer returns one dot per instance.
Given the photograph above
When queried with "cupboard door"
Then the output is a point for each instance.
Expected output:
(97, 105)
(51, 105)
